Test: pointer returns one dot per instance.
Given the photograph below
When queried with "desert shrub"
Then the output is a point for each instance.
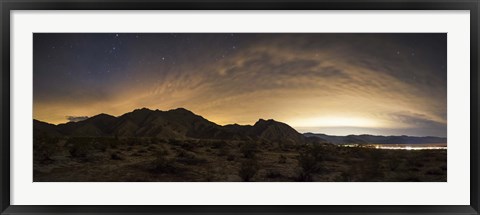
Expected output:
(319, 152)
(151, 148)
(223, 151)
(106, 142)
(394, 162)
(174, 141)
(44, 146)
(282, 159)
(372, 166)
(411, 177)
(346, 176)
(100, 145)
(414, 161)
(248, 169)
(162, 164)
(209, 175)
(435, 171)
(162, 150)
(136, 154)
(352, 172)
(189, 158)
(249, 149)
(327, 152)
(116, 156)
(230, 157)
(273, 174)
(154, 140)
(219, 144)
(308, 166)
(80, 147)
(441, 157)
(131, 141)
(188, 145)
(309, 161)
(414, 169)
(357, 152)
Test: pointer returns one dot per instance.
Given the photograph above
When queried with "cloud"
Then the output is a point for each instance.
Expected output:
(76, 118)
(287, 77)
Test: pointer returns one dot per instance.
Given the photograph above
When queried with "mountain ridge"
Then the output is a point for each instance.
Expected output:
(181, 123)
(177, 123)
(377, 139)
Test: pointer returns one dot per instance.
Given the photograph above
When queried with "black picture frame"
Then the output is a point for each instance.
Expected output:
(8, 5)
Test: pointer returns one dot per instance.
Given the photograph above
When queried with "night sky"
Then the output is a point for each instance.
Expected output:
(386, 84)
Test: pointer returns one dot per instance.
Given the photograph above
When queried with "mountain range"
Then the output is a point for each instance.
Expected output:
(173, 124)
(181, 123)
(377, 139)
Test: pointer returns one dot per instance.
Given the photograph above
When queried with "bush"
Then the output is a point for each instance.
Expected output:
(44, 146)
(189, 158)
(372, 168)
(219, 144)
(116, 156)
(435, 171)
(248, 169)
(102, 143)
(188, 145)
(309, 162)
(131, 141)
(174, 141)
(164, 165)
(223, 151)
(273, 174)
(80, 147)
(393, 163)
(282, 159)
(230, 157)
(249, 149)
(154, 140)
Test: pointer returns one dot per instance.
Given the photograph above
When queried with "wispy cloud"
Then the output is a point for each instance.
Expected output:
(293, 78)
(76, 118)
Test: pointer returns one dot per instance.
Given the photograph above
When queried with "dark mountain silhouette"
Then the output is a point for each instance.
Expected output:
(365, 138)
(99, 125)
(275, 131)
(181, 123)
(173, 124)
(40, 128)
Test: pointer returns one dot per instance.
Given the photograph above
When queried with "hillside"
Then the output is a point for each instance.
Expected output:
(173, 124)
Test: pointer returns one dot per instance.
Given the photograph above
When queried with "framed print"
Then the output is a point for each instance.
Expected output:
(231, 107)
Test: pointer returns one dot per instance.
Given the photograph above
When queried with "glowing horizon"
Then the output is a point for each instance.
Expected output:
(342, 83)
